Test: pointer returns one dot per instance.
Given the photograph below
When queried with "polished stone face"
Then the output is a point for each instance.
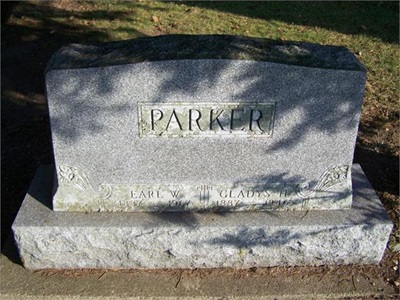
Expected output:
(260, 134)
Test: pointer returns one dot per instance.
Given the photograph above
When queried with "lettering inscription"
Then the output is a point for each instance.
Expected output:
(333, 186)
(204, 119)
(245, 196)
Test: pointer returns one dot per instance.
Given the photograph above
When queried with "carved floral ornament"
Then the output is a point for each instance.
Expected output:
(333, 176)
(74, 177)
(71, 176)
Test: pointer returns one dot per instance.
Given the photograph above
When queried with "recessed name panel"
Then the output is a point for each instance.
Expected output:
(206, 119)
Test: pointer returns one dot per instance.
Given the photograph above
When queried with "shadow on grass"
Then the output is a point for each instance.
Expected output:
(376, 19)
(9, 249)
(381, 169)
(26, 48)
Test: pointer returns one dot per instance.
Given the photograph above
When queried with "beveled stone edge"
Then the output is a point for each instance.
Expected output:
(194, 47)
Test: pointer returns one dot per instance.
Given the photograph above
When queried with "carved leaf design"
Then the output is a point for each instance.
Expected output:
(331, 177)
(105, 191)
(65, 173)
(303, 190)
(72, 176)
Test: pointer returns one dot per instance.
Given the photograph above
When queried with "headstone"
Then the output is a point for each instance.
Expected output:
(198, 129)
(204, 123)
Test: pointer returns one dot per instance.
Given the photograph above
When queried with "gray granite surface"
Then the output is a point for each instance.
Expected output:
(177, 47)
(70, 240)
(138, 121)
(102, 156)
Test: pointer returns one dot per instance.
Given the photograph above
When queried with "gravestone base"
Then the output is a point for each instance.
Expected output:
(71, 240)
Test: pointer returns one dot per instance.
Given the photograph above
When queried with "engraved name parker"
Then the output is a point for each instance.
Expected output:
(205, 119)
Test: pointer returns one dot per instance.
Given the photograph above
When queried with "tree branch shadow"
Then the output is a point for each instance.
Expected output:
(376, 19)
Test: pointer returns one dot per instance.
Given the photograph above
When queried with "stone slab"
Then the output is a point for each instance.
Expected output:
(227, 113)
(72, 240)
(19, 283)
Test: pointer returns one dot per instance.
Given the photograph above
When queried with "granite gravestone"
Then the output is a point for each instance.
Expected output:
(202, 124)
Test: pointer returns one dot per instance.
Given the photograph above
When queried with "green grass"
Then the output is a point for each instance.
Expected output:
(369, 29)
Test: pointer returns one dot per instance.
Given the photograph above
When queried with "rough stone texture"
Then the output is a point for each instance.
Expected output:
(94, 91)
(48, 239)
(18, 283)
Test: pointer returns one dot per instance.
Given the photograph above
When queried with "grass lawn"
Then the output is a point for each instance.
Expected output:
(38, 29)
